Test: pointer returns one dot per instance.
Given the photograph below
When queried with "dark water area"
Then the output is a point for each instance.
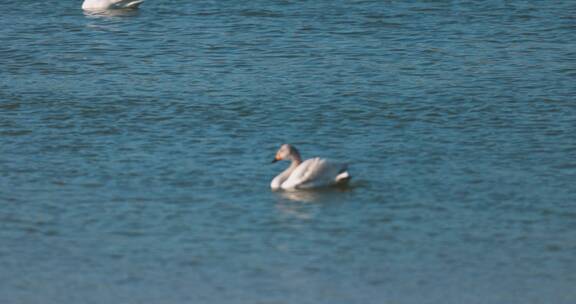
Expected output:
(135, 152)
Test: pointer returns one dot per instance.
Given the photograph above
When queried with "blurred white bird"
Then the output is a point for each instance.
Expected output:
(110, 4)
(312, 173)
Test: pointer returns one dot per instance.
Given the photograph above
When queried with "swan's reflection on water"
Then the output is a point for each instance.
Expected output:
(314, 195)
(305, 196)
(300, 204)
(296, 211)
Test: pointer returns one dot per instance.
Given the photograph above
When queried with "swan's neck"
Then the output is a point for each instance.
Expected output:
(282, 177)
(286, 173)
(295, 158)
(296, 161)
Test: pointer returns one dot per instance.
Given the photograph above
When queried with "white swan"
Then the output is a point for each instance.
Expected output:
(110, 4)
(312, 173)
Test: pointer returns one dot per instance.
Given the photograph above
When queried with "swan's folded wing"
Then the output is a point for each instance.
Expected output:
(313, 173)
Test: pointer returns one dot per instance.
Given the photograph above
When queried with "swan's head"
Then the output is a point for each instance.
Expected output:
(287, 152)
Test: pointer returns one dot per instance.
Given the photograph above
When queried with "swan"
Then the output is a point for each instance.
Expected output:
(311, 173)
(110, 4)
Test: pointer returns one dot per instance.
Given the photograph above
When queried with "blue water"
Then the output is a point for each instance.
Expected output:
(135, 152)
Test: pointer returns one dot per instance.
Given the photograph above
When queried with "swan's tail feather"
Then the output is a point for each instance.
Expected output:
(343, 177)
(128, 3)
(134, 4)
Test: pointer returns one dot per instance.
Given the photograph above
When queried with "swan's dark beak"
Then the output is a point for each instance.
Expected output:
(275, 160)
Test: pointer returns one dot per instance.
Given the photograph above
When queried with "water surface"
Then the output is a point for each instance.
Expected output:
(135, 150)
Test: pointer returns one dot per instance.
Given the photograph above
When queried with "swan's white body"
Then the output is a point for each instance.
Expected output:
(110, 4)
(312, 173)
